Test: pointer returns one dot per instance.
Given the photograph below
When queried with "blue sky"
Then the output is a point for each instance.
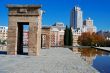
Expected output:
(59, 11)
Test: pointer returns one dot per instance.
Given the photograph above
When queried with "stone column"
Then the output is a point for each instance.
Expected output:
(39, 26)
(12, 40)
(33, 39)
(48, 40)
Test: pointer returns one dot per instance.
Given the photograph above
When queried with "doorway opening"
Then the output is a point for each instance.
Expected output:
(22, 39)
(43, 41)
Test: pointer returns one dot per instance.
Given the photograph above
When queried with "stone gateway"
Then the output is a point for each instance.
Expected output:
(20, 15)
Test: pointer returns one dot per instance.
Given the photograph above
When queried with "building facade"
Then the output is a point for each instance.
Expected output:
(25, 37)
(46, 37)
(88, 26)
(76, 20)
(76, 34)
(3, 33)
(57, 34)
(105, 34)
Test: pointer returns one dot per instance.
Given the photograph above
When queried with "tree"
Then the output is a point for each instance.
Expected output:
(88, 39)
(85, 39)
(70, 37)
(2, 42)
(66, 36)
(107, 43)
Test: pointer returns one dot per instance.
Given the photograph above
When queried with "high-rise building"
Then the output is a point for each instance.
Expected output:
(76, 21)
(88, 26)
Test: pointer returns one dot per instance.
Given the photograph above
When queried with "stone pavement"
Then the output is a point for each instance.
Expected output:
(54, 60)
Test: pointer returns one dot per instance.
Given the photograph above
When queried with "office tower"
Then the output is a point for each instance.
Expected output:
(76, 20)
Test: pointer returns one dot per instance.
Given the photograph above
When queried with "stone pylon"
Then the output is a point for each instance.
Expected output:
(18, 16)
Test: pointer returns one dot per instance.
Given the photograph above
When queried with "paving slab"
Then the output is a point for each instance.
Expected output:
(54, 60)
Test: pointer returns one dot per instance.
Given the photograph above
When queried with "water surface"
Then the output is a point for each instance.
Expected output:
(99, 59)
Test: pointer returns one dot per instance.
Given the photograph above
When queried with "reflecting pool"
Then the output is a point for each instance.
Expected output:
(99, 59)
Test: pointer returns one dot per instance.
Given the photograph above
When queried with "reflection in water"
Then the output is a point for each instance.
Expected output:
(97, 58)
(3, 49)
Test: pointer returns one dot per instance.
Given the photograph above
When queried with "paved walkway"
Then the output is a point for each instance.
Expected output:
(104, 48)
(59, 60)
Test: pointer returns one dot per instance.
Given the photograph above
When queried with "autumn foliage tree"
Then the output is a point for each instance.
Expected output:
(91, 39)
(85, 39)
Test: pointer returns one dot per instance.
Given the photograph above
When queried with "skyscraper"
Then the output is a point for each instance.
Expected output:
(76, 20)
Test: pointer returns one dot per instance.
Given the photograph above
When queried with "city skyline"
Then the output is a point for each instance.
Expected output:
(59, 11)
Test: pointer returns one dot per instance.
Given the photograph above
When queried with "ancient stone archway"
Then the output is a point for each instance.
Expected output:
(46, 37)
(19, 15)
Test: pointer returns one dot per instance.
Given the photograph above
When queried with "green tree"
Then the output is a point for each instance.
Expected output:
(70, 37)
(2, 42)
(66, 36)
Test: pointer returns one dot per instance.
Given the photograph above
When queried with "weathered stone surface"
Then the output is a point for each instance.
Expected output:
(53, 60)
(46, 37)
(19, 15)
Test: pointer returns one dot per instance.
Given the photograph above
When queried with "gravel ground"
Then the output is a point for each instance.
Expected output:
(54, 60)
